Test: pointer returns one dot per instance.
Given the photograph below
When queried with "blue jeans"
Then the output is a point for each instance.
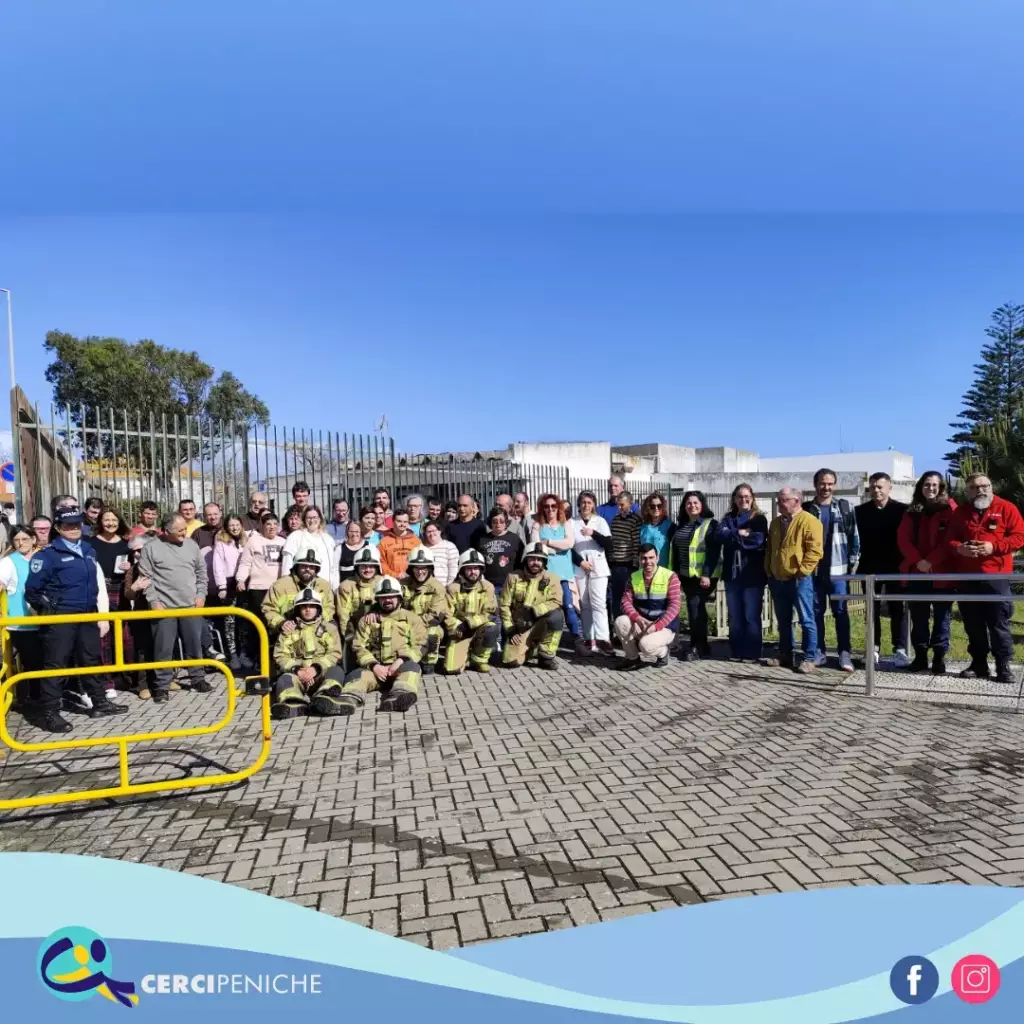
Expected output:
(826, 590)
(571, 618)
(744, 601)
(798, 595)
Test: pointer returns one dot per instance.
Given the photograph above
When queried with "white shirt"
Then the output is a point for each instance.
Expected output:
(588, 548)
(299, 542)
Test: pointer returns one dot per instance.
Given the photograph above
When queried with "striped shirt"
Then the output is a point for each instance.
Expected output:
(625, 530)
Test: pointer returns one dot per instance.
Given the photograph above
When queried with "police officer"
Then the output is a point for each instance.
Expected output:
(387, 646)
(66, 579)
(307, 662)
(531, 610)
(470, 624)
(424, 596)
(279, 604)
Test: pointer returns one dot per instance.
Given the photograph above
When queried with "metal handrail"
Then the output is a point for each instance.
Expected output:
(869, 598)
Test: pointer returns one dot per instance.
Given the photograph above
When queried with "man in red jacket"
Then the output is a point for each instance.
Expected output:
(983, 535)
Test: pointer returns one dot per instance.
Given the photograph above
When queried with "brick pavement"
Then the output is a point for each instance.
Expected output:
(528, 800)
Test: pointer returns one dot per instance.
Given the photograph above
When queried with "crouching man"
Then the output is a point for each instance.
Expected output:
(472, 631)
(424, 596)
(387, 645)
(306, 659)
(531, 611)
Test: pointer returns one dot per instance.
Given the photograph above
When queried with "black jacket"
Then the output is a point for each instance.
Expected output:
(879, 551)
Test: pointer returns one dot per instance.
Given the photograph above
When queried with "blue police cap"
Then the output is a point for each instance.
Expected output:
(69, 517)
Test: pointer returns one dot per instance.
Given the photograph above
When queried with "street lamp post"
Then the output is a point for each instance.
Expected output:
(15, 439)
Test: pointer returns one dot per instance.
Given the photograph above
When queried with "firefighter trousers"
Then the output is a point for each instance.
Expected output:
(543, 639)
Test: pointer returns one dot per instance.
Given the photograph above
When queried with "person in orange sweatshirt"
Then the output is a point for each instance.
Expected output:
(395, 546)
(983, 535)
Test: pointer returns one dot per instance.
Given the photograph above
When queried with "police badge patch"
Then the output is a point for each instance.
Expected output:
(35, 565)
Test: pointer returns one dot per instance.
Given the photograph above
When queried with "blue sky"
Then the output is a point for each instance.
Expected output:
(731, 210)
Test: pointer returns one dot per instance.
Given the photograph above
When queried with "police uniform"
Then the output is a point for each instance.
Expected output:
(429, 601)
(470, 624)
(66, 579)
(392, 636)
(531, 607)
(315, 645)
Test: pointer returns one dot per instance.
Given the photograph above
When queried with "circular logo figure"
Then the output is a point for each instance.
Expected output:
(914, 979)
(975, 978)
(71, 956)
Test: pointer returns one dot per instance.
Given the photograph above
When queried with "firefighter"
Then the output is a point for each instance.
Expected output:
(472, 631)
(279, 604)
(423, 595)
(306, 659)
(65, 579)
(386, 646)
(356, 596)
(531, 611)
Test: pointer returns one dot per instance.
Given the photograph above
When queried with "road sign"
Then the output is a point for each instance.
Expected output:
(7, 472)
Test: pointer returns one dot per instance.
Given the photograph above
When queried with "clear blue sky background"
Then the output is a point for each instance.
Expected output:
(525, 209)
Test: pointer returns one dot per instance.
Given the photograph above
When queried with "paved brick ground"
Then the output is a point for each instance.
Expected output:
(529, 800)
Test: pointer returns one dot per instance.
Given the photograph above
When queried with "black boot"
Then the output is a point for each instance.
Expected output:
(939, 663)
(920, 662)
(547, 661)
(52, 721)
(160, 696)
(103, 708)
(427, 669)
(1004, 674)
(976, 670)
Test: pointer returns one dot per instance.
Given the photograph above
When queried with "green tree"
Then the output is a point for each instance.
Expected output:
(997, 390)
(997, 450)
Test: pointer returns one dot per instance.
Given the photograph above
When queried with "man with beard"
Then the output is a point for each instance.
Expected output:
(356, 595)
(471, 608)
(984, 534)
(278, 605)
(531, 611)
(424, 596)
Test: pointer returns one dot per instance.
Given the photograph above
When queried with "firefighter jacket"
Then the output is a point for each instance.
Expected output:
(525, 600)
(355, 599)
(312, 644)
(475, 606)
(277, 605)
(429, 601)
(398, 635)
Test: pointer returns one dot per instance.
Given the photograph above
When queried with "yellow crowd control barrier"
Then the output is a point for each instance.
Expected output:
(256, 686)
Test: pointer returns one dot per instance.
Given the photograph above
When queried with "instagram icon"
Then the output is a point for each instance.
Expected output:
(975, 978)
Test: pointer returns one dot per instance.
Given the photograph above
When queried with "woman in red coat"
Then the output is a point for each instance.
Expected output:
(923, 541)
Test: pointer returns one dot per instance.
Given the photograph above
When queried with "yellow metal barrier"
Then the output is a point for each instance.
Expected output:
(6, 657)
(126, 787)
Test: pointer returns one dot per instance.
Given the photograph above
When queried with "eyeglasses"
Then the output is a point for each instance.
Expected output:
(655, 504)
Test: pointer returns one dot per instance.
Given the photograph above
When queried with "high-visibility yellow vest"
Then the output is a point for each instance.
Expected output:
(698, 551)
(651, 602)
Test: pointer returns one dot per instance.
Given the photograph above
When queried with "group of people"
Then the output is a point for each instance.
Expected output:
(373, 603)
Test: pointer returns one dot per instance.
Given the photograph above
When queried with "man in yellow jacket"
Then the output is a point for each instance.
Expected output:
(791, 555)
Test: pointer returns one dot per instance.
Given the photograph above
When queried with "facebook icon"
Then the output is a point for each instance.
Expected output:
(914, 979)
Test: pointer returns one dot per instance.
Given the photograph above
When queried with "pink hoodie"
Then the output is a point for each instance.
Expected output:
(225, 563)
(259, 565)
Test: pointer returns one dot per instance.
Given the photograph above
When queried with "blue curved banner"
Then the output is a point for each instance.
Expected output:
(81, 937)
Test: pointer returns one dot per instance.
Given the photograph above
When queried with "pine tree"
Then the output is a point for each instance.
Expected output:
(998, 388)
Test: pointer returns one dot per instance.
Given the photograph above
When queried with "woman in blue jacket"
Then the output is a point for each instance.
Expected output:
(658, 526)
(743, 533)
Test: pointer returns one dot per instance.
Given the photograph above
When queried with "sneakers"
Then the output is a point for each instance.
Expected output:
(111, 694)
(662, 662)
(201, 686)
(820, 660)
(876, 655)
(900, 659)
(605, 646)
(920, 662)
(144, 694)
(102, 708)
(807, 667)
(939, 663)
(975, 671)
(582, 648)
(845, 661)
(214, 655)
(776, 663)
(76, 701)
(691, 655)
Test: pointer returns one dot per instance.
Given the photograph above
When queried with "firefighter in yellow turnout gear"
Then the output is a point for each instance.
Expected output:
(424, 596)
(472, 631)
(356, 596)
(531, 611)
(387, 646)
(306, 659)
(278, 606)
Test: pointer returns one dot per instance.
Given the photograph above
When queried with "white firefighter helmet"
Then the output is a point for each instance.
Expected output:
(471, 557)
(536, 550)
(421, 556)
(309, 559)
(368, 555)
(387, 586)
(308, 598)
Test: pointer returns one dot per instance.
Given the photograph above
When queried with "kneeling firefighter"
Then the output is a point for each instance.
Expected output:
(424, 596)
(307, 659)
(472, 631)
(356, 596)
(279, 605)
(531, 611)
(387, 645)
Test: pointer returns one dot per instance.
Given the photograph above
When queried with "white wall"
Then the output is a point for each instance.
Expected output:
(584, 458)
(898, 465)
